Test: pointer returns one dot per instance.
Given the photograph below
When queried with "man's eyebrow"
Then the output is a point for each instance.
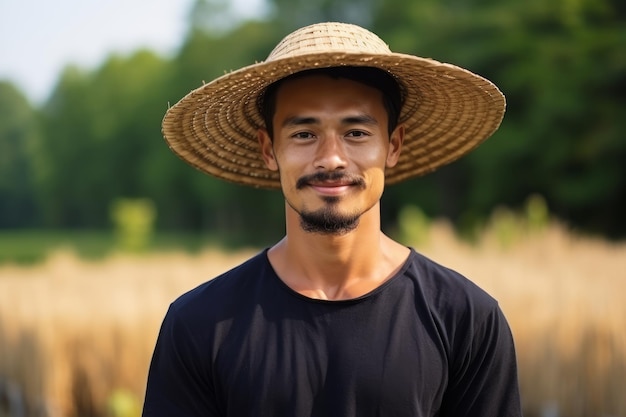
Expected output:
(363, 119)
(349, 120)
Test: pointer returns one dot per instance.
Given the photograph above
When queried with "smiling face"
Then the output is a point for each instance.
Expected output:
(331, 147)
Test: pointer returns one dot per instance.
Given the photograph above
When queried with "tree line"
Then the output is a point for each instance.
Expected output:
(561, 65)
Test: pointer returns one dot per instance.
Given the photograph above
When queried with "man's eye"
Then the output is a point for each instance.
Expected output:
(302, 135)
(357, 134)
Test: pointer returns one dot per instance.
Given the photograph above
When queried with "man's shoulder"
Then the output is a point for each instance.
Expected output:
(447, 289)
(226, 288)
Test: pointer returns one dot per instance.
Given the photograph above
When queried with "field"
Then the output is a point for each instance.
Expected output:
(76, 335)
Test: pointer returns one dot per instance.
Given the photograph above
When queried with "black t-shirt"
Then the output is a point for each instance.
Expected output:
(428, 342)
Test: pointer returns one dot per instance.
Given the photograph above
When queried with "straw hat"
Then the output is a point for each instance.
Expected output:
(447, 110)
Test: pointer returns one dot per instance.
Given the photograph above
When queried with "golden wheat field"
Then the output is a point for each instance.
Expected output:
(76, 337)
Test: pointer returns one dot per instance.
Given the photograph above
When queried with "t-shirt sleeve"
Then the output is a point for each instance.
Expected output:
(178, 382)
(483, 378)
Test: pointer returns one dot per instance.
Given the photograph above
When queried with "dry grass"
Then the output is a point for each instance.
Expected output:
(73, 333)
(564, 299)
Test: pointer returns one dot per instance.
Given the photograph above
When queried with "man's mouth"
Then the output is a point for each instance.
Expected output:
(331, 188)
(330, 182)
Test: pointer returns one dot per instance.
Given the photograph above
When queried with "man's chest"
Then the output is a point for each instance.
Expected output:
(346, 364)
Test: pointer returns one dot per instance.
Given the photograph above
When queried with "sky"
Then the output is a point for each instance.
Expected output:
(38, 38)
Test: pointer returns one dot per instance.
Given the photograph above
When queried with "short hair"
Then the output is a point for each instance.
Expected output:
(372, 77)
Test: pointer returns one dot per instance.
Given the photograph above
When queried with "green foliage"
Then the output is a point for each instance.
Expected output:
(561, 65)
(506, 227)
(122, 403)
(134, 223)
(33, 246)
(536, 213)
(291, 14)
(98, 128)
(509, 227)
(18, 130)
(414, 226)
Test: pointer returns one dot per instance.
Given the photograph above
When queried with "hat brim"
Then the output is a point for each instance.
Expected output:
(447, 112)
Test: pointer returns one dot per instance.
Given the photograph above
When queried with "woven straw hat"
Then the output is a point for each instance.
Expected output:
(447, 110)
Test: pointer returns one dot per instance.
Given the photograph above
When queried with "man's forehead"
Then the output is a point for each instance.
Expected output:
(324, 86)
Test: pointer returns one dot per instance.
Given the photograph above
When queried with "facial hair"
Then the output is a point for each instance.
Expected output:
(327, 220)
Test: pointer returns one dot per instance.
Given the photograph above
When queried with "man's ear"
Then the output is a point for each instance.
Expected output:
(395, 146)
(267, 149)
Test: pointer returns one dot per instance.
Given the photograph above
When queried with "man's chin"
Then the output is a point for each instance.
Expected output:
(328, 222)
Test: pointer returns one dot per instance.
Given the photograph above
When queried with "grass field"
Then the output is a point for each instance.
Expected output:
(76, 335)
(27, 247)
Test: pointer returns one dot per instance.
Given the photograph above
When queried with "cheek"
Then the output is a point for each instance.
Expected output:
(374, 159)
(375, 176)
(374, 163)
(291, 166)
(295, 161)
(375, 188)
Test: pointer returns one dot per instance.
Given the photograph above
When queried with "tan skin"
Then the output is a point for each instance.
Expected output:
(325, 124)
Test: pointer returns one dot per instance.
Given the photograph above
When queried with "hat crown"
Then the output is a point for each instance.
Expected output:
(328, 37)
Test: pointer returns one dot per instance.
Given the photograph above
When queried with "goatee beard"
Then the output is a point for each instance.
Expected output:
(328, 222)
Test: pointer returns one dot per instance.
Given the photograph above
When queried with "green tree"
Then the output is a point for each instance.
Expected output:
(291, 14)
(561, 65)
(18, 129)
(99, 128)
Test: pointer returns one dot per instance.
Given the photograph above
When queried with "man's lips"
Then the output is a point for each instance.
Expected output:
(331, 188)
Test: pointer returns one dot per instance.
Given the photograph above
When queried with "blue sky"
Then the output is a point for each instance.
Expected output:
(38, 38)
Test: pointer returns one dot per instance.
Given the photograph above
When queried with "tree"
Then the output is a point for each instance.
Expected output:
(17, 131)
(99, 128)
(561, 65)
(292, 14)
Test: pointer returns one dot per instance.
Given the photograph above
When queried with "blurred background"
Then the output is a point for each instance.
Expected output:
(101, 226)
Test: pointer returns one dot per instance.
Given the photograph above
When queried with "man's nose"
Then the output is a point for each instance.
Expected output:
(330, 154)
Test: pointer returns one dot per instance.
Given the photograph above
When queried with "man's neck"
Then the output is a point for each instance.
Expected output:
(335, 267)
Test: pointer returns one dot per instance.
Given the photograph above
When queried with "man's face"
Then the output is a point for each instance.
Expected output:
(331, 148)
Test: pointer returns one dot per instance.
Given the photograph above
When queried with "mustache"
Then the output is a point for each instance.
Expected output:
(324, 176)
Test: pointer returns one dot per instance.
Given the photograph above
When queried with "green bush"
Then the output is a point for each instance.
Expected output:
(414, 226)
(122, 403)
(133, 220)
(537, 213)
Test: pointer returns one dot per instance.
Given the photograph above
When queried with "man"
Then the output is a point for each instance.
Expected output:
(336, 319)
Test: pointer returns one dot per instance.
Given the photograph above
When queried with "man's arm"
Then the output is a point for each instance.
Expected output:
(178, 384)
(483, 379)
